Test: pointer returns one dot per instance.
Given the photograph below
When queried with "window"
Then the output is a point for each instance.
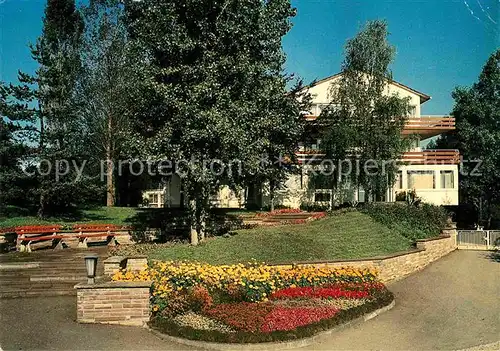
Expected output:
(399, 180)
(421, 180)
(361, 195)
(447, 180)
(322, 197)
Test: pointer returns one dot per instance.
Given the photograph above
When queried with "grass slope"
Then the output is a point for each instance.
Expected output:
(104, 215)
(340, 236)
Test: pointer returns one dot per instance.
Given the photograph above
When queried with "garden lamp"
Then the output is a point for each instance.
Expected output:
(91, 266)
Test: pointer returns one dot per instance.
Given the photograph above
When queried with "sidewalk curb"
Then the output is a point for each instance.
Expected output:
(271, 346)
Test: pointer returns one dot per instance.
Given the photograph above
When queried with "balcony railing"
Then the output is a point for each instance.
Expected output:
(426, 157)
(430, 122)
(450, 157)
(425, 125)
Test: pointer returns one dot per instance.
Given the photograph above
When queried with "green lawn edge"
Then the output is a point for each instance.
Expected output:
(348, 235)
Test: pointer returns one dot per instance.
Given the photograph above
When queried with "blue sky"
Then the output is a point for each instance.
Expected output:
(440, 43)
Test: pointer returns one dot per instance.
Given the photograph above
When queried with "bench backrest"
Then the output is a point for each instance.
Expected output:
(89, 228)
(7, 230)
(38, 229)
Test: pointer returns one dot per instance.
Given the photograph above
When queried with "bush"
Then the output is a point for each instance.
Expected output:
(221, 222)
(312, 207)
(413, 222)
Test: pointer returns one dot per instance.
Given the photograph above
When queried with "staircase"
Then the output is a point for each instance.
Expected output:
(45, 273)
(280, 218)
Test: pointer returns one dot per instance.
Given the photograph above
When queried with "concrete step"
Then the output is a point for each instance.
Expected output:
(45, 273)
(36, 293)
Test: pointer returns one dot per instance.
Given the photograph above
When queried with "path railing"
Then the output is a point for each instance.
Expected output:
(478, 239)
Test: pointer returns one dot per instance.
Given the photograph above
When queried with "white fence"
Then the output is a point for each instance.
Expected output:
(478, 239)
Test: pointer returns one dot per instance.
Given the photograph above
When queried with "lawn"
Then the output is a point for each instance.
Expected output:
(104, 215)
(343, 235)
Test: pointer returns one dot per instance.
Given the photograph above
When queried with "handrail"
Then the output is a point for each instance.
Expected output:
(438, 156)
(423, 122)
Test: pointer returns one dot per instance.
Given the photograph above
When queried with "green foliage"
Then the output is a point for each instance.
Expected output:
(13, 182)
(44, 103)
(364, 123)
(104, 87)
(114, 215)
(413, 222)
(342, 235)
(213, 89)
(312, 207)
(477, 136)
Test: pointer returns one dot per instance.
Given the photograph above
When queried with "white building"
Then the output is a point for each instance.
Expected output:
(431, 174)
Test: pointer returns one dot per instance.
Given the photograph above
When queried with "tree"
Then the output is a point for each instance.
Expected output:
(477, 136)
(46, 101)
(12, 150)
(214, 85)
(105, 84)
(363, 124)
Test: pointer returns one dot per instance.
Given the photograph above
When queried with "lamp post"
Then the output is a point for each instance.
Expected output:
(91, 266)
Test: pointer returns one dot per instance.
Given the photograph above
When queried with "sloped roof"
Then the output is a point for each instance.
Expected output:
(423, 97)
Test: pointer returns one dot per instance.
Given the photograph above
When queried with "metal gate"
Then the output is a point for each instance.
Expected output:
(478, 239)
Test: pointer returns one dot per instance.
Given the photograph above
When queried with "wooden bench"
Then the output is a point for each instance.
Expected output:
(81, 234)
(27, 235)
(111, 233)
(7, 238)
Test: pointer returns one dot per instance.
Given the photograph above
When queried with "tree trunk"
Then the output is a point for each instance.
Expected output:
(110, 174)
(41, 206)
(271, 195)
(110, 182)
(194, 231)
(42, 131)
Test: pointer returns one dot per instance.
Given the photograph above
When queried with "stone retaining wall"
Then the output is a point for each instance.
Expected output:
(114, 263)
(391, 267)
(399, 265)
(125, 303)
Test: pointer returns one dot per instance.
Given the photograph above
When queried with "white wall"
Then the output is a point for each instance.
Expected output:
(438, 195)
(320, 93)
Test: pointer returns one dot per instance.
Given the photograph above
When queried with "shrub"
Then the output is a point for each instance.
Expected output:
(200, 299)
(312, 207)
(413, 222)
(176, 303)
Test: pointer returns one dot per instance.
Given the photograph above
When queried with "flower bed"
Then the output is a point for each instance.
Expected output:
(256, 302)
(280, 211)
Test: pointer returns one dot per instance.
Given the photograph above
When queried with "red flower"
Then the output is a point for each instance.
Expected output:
(324, 293)
(245, 316)
(283, 318)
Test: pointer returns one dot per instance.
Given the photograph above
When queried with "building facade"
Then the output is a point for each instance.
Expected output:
(432, 175)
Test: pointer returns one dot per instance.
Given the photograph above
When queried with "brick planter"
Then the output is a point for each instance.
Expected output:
(132, 263)
(125, 303)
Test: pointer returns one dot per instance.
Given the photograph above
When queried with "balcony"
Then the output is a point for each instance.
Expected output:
(431, 157)
(425, 126)
(426, 157)
(429, 126)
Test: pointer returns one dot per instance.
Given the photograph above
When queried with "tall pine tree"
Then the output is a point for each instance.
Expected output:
(47, 101)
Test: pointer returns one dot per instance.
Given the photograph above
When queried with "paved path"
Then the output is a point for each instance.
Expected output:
(452, 304)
